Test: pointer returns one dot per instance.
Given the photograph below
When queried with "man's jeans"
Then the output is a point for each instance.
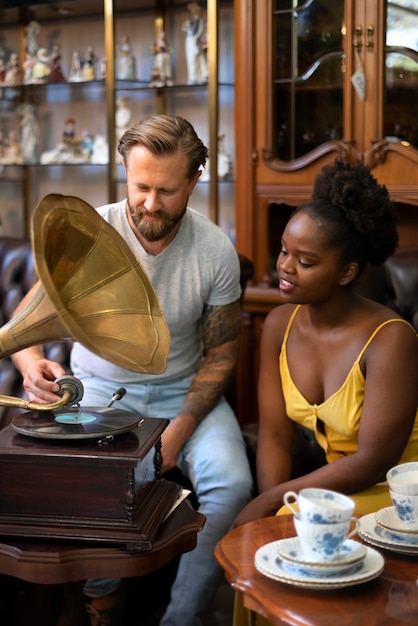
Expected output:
(214, 460)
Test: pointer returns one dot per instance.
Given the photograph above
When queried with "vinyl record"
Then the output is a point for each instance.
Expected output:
(75, 423)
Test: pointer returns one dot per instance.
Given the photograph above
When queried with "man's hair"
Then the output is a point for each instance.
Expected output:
(165, 134)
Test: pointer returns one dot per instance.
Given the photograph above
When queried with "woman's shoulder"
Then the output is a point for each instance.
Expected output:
(278, 319)
(379, 316)
(387, 332)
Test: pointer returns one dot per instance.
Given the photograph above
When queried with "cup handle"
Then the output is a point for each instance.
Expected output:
(356, 528)
(291, 495)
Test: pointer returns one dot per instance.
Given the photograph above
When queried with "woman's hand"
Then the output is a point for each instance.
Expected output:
(261, 506)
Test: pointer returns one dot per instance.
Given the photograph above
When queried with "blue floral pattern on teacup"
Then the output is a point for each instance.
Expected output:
(317, 518)
(329, 544)
(322, 542)
(405, 510)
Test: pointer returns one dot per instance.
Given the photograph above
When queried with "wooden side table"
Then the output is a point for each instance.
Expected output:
(70, 511)
(48, 564)
(389, 600)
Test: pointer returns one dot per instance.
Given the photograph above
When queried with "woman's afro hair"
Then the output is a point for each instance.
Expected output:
(363, 203)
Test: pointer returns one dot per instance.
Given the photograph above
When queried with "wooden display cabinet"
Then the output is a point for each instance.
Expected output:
(300, 68)
(75, 26)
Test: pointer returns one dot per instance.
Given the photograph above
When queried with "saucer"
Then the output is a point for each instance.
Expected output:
(388, 518)
(376, 535)
(268, 563)
(291, 554)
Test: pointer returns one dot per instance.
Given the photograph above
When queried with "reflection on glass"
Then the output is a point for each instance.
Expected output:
(401, 104)
(307, 75)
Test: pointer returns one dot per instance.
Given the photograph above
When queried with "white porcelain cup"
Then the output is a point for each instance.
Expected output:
(324, 542)
(403, 478)
(321, 506)
(406, 507)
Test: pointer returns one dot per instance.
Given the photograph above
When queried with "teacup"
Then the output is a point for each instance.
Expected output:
(321, 506)
(406, 507)
(403, 478)
(324, 542)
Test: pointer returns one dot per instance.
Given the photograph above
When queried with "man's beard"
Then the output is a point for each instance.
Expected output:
(155, 231)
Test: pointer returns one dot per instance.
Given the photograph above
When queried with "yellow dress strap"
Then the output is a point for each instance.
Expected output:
(376, 330)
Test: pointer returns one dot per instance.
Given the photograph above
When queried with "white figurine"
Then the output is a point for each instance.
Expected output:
(29, 138)
(195, 45)
(28, 65)
(100, 151)
(32, 31)
(224, 166)
(76, 74)
(127, 61)
(161, 72)
(123, 118)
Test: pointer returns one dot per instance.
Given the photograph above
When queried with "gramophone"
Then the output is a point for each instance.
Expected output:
(69, 471)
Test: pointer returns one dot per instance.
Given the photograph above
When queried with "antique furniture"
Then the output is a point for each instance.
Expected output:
(391, 598)
(48, 565)
(56, 561)
(298, 107)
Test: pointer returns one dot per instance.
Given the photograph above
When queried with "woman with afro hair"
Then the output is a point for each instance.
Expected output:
(334, 364)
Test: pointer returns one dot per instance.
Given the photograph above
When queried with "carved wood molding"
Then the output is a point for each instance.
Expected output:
(377, 154)
(345, 150)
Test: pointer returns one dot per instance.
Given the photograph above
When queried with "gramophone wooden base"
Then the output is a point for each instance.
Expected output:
(84, 491)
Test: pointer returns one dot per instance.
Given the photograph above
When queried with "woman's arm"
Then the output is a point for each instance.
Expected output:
(276, 430)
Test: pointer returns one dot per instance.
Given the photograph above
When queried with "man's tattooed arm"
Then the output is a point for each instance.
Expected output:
(220, 334)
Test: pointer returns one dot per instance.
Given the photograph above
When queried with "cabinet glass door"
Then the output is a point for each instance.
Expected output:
(307, 76)
(400, 115)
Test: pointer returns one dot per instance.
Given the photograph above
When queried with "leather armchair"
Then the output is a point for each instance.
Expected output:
(395, 284)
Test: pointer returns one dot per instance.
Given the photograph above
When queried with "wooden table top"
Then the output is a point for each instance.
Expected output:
(390, 599)
(55, 562)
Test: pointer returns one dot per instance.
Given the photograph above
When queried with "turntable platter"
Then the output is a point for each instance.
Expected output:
(75, 423)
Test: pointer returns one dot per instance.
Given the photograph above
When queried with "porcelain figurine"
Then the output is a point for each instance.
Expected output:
(126, 61)
(161, 71)
(195, 45)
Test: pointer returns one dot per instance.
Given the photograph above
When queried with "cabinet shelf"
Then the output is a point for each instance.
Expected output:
(126, 85)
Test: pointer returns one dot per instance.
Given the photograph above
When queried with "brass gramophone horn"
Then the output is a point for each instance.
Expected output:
(92, 289)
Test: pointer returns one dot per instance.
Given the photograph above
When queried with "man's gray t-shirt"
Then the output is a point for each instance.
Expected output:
(200, 266)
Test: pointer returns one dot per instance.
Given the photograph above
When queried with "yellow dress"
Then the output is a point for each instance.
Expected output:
(335, 424)
(336, 421)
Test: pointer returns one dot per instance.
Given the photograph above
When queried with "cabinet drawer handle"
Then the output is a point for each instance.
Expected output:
(369, 42)
(357, 38)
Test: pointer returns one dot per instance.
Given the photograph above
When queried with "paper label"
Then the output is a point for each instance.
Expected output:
(359, 81)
